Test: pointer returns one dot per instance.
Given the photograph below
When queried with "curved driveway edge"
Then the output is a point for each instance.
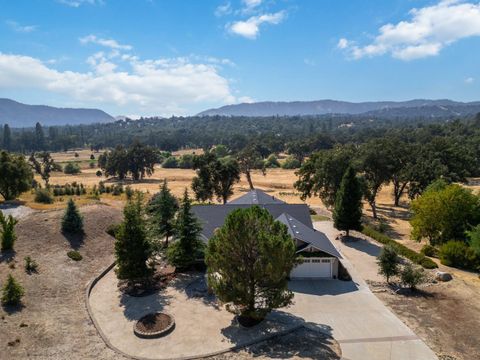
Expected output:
(284, 329)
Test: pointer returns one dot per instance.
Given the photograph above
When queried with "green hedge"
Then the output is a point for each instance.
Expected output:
(401, 249)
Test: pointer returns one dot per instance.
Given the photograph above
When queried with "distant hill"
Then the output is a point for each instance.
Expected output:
(411, 108)
(21, 115)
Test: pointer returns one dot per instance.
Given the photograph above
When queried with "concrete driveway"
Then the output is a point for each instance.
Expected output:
(358, 320)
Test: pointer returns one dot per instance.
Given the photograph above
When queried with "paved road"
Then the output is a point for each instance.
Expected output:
(357, 319)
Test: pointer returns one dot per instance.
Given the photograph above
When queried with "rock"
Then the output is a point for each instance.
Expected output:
(443, 276)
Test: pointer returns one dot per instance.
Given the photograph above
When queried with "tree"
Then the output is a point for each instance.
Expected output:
(203, 184)
(388, 262)
(187, 247)
(227, 174)
(16, 175)
(322, 173)
(249, 260)
(39, 137)
(7, 231)
(162, 208)
(474, 235)
(248, 159)
(72, 221)
(72, 168)
(43, 165)
(132, 248)
(444, 212)
(12, 292)
(347, 213)
(376, 166)
(7, 137)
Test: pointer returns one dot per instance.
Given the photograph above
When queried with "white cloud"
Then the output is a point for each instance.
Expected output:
(223, 10)
(245, 100)
(78, 3)
(110, 43)
(251, 27)
(163, 86)
(469, 80)
(15, 26)
(429, 30)
(251, 4)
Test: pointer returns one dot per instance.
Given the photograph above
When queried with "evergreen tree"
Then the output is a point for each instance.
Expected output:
(388, 261)
(132, 248)
(227, 173)
(162, 208)
(39, 137)
(7, 231)
(72, 221)
(12, 292)
(187, 247)
(347, 214)
(7, 137)
(254, 255)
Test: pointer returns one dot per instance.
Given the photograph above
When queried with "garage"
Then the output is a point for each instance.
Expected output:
(313, 268)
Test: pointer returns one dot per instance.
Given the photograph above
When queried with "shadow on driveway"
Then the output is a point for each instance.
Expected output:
(322, 287)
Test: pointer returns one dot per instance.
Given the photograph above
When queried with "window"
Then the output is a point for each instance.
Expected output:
(325, 260)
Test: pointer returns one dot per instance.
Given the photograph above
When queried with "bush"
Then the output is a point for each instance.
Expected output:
(7, 231)
(92, 164)
(43, 196)
(12, 292)
(272, 162)
(71, 168)
(291, 162)
(99, 173)
(74, 255)
(30, 265)
(458, 254)
(429, 250)
(186, 161)
(388, 261)
(129, 192)
(92, 157)
(113, 229)
(170, 163)
(72, 221)
(412, 276)
(402, 250)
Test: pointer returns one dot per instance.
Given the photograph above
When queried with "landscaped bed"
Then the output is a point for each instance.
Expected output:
(154, 325)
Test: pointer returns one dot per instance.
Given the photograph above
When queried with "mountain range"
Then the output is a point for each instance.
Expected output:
(22, 115)
(386, 109)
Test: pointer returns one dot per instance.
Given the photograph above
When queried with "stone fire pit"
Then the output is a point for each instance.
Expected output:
(154, 325)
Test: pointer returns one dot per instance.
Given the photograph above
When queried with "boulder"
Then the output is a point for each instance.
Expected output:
(443, 276)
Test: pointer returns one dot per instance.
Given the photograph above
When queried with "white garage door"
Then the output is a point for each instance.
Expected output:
(313, 268)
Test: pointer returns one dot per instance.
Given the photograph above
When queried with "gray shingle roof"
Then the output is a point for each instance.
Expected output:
(213, 216)
(300, 231)
(256, 197)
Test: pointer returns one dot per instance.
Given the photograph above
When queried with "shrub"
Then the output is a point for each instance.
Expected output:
(170, 163)
(92, 164)
(71, 168)
(30, 265)
(429, 250)
(401, 249)
(76, 155)
(7, 231)
(43, 196)
(72, 221)
(458, 254)
(12, 292)
(99, 173)
(113, 229)
(388, 261)
(186, 161)
(272, 162)
(291, 162)
(129, 192)
(74, 255)
(92, 157)
(412, 276)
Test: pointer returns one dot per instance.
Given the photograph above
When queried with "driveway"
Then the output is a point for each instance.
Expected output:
(358, 320)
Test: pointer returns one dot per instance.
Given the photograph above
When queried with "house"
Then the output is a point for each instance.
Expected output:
(320, 257)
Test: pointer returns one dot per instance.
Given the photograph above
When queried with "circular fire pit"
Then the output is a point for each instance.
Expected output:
(154, 325)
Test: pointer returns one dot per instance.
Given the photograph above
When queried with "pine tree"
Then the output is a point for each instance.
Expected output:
(188, 247)
(39, 137)
(7, 137)
(7, 231)
(162, 208)
(254, 255)
(132, 248)
(12, 292)
(347, 214)
(72, 221)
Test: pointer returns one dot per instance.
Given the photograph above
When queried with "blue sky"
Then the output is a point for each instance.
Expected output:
(164, 57)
